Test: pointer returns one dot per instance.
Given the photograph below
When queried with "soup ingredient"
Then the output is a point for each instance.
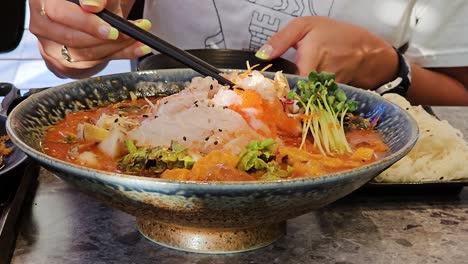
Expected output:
(257, 155)
(4, 150)
(154, 160)
(440, 154)
(325, 107)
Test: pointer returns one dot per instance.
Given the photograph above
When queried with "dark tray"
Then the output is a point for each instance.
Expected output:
(413, 188)
(14, 191)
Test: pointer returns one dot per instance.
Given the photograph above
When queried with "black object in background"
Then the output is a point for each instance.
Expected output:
(220, 58)
(12, 16)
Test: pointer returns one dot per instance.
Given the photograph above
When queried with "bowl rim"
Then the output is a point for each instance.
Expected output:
(120, 178)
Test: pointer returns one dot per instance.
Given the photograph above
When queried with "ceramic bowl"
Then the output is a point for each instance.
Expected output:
(210, 217)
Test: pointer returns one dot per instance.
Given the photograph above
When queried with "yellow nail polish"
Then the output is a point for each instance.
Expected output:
(264, 52)
(143, 50)
(144, 24)
(91, 3)
(113, 33)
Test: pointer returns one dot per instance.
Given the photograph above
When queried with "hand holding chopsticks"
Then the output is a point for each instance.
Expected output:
(161, 45)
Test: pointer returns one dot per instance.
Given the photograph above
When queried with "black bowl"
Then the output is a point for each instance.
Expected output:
(220, 58)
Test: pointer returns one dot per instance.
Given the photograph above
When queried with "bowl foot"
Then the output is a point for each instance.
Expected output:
(212, 241)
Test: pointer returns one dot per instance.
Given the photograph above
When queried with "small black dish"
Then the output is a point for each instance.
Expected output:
(220, 58)
(15, 158)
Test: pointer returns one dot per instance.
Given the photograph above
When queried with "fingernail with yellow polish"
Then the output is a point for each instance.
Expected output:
(91, 3)
(144, 24)
(264, 52)
(108, 32)
(143, 50)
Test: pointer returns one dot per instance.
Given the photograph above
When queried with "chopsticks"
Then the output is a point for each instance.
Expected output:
(161, 45)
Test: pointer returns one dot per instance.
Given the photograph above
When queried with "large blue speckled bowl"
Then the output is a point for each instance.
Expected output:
(210, 217)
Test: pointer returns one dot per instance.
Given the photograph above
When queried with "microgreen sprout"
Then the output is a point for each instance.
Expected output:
(325, 106)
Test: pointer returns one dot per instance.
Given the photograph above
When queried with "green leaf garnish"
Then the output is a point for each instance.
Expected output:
(155, 159)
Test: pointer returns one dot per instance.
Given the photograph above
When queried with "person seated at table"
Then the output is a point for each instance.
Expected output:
(362, 41)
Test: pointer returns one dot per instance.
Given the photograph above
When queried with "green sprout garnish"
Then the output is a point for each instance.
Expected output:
(325, 106)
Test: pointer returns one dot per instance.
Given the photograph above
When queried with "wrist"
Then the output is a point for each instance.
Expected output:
(402, 81)
(378, 66)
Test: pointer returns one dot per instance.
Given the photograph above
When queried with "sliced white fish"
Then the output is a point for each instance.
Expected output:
(203, 128)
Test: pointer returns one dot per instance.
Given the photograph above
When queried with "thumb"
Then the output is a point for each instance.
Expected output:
(93, 6)
(284, 39)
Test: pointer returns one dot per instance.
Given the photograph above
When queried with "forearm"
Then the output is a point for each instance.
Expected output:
(436, 87)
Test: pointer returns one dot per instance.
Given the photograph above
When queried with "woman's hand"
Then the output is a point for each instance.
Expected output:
(355, 55)
(63, 27)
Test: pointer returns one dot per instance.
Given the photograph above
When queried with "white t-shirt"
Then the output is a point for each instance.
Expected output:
(435, 29)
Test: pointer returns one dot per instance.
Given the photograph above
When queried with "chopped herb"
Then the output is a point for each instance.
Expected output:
(155, 160)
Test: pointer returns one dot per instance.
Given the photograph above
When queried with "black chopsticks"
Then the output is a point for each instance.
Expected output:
(160, 45)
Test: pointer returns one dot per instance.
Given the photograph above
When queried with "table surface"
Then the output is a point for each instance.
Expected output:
(63, 225)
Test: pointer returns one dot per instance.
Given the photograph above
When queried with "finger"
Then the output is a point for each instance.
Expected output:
(286, 38)
(51, 52)
(44, 28)
(86, 58)
(71, 15)
(93, 6)
(99, 52)
(309, 57)
(72, 38)
(62, 71)
(110, 51)
(133, 51)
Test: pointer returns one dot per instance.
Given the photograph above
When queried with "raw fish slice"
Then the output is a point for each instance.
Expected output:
(203, 128)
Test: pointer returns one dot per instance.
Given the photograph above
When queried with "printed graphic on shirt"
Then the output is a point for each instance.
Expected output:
(261, 28)
(266, 18)
(216, 41)
(321, 7)
(291, 7)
